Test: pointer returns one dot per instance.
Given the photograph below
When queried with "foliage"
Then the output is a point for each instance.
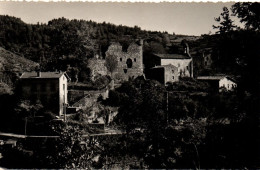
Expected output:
(226, 24)
(67, 44)
(26, 109)
(188, 84)
(111, 63)
(175, 134)
(248, 13)
(101, 82)
(70, 150)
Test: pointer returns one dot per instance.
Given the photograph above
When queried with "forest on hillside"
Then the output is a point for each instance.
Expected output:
(62, 42)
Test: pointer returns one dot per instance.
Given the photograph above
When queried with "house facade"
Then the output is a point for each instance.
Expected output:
(50, 88)
(183, 62)
(164, 74)
(219, 83)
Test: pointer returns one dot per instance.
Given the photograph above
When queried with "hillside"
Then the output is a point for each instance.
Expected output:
(63, 43)
(14, 63)
(11, 65)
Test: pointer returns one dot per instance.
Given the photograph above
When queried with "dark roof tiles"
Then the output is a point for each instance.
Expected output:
(165, 66)
(28, 75)
(215, 77)
(173, 56)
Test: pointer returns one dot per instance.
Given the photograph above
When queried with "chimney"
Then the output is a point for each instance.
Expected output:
(141, 42)
(191, 68)
(187, 49)
(39, 73)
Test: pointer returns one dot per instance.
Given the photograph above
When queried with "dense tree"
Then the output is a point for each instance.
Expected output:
(70, 150)
(248, 13)
(111, 64)
(226, 24)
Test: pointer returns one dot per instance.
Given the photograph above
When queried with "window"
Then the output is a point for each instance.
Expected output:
(120, 59)
(172, 71)
(187, 67)
(129, 63)
(63, 87)
(173, 77)
(135, 59)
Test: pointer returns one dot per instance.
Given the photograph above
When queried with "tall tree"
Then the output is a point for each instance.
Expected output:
(111, 64)
(226, 24)
(248, 13)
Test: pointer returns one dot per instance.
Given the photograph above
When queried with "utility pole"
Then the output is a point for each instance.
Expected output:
(25, 125)
(64, 111)
(167, 106)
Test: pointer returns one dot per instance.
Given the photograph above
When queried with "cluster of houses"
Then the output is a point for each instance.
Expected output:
(51, 87)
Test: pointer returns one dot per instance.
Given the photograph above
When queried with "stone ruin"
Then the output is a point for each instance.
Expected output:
(130, 62)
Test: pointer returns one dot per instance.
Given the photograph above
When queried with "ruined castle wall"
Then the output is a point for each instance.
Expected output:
(130, 63)
(97, 67)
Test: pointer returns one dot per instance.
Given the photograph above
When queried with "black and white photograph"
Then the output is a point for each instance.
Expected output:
(129, 85)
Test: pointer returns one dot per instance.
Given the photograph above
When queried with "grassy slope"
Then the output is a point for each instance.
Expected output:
(11, 67)
(14, 63)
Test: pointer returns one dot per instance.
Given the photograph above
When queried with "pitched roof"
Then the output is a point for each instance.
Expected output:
(44, 75)
(173, 56)
(210, 77)
(164, 66)
(214, 77)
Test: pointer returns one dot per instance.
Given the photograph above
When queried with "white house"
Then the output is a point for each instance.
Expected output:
(48, 87)
(182, 62)
(219, 82)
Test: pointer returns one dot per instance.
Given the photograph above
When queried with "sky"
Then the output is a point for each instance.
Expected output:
(180, 18)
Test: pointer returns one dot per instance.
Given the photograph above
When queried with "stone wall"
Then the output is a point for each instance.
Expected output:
(171, 74)
(97, 67)
(183, 65)
(163, 74)
(130, 63)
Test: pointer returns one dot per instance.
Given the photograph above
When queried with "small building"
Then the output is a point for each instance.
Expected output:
(218, 83)
(183, 63)
(163, 74)
(48, 87)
